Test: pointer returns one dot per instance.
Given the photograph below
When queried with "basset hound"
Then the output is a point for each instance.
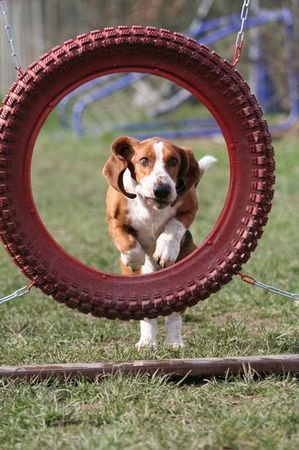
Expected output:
(151, 203)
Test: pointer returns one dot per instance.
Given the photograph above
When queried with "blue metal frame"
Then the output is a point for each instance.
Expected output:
(64, 103)
(208, 32)
(99, 94)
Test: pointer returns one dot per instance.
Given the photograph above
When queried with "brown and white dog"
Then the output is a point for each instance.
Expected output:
(151, 203)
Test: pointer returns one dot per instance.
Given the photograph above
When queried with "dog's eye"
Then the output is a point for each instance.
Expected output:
(172, 162)
(144, 161)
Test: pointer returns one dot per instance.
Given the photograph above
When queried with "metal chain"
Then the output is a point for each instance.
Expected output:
(17, 64)
(267, 287)
(10, 38)
(19, 293)
(240, 35)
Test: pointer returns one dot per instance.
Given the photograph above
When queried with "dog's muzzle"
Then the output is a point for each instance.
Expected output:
(161, 191)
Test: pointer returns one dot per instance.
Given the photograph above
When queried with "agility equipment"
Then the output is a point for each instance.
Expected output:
(213, 81)
(172, 368)
(103, 91)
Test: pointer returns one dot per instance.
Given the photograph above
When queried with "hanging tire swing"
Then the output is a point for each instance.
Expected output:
(214, 82)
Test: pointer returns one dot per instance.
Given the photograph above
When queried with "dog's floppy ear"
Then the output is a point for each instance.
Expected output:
(189, 174)
(122, 153)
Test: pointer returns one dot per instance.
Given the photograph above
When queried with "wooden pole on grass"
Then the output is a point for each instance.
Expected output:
(175, 368)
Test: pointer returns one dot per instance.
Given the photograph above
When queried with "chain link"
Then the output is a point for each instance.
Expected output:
(10, 38)
(269, 288)
(240, 35)
(19, 293)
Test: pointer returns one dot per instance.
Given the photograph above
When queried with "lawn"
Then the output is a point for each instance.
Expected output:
(150, 412)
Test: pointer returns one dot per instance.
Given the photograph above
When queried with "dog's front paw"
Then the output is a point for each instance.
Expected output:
(133, 258)
(167, 251)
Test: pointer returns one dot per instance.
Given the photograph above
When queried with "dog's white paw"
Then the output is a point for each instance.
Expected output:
(147, 342)
(167, 251)
(174, 345)
(133, 258)
(173, 329)
(148, 334)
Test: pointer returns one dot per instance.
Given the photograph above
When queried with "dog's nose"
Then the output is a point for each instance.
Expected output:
(161, 191)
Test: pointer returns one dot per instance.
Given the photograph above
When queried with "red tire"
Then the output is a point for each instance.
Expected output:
(219, 87)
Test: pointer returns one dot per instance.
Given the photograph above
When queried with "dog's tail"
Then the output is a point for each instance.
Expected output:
(205, 163)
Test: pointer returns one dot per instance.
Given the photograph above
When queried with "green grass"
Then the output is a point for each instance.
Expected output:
(150, 413)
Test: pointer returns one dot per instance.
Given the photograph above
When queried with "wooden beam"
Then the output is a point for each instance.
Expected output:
(208, 367)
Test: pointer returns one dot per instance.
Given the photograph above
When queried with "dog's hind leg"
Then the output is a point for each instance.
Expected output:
(173, 331)
(148, 334)
(148, 327)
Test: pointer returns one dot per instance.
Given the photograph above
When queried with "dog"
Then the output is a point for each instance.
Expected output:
(151, 203)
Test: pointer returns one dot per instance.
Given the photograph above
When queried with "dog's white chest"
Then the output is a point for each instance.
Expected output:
(148, 222)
